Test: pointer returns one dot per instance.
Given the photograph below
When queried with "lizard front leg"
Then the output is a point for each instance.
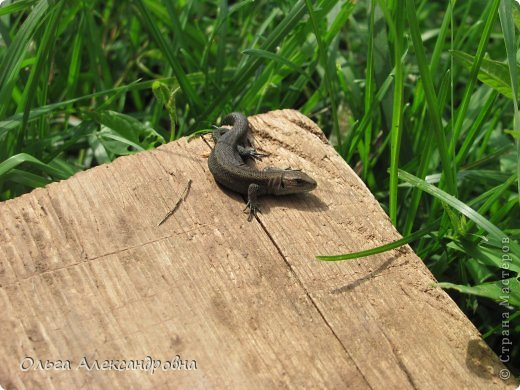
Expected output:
(243, 151)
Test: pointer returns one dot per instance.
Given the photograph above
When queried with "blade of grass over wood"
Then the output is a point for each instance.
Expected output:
(397, 112)
(329, 75)
(15, 54)
(508, 28)
(380, 249)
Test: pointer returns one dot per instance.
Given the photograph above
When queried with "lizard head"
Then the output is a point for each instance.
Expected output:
(294, 182)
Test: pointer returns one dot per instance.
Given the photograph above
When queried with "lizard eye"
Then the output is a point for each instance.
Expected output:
(282, 184)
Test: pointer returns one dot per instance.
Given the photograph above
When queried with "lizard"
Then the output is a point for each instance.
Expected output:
(227, 164)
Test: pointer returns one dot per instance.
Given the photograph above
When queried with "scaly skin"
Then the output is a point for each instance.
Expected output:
(226, 163)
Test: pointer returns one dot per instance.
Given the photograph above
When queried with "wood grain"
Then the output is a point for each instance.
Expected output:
(86, 272)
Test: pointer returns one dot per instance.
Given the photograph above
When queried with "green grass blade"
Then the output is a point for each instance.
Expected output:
(439, 44)
(450, 200)
(14, 121)
(493, 73)
(42, 59)
(471, 136)
(461, 112)
(281, 60)
(380, 249)
(424, 164)
(18, 159)
(127, 131)
(169, 54)
(247, 70)
(15, 54)
(369, 90)
(433, 105)
(75, 60)
(17, 6)
(492, 290)
(508, 28)
(383, 57)
(492, 257)
(339, 21)
(96, 52)
(358, 131)
(397, 112)
(25, 178)
(329, 75)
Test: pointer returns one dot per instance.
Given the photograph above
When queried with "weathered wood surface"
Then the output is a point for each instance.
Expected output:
(86, 272)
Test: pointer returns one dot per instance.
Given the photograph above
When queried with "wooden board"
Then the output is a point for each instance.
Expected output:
(87, 273)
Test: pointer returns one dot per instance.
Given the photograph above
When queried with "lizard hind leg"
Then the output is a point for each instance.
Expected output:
(252, 202)
(250, 152)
